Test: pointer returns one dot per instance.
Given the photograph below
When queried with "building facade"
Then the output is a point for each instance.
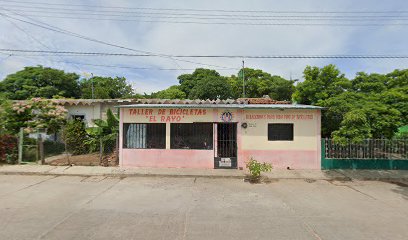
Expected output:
(219, 134)
(90, 109)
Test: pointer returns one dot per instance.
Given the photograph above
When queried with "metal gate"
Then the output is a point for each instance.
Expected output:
(225, 154)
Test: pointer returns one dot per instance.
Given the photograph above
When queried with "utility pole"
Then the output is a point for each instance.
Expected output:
(92, 86)
(243, 78)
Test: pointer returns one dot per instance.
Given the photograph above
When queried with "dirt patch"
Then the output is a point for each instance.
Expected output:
(91, 159)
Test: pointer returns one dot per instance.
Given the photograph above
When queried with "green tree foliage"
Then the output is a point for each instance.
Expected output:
(259, 83)
(205, 84)
(354, 127)
(33, 114)
(105, 132)
(320, 84)
(106, 88)
(378, 101)
(172, 92)
(75, 136)
(40, 82)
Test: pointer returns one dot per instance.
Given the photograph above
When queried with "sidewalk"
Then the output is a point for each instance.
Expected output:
(340, 175)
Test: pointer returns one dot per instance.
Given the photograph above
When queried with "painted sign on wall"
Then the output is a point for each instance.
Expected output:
(163, 115)
(279, 116)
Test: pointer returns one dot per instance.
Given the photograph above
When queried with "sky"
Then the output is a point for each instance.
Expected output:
(164, 38)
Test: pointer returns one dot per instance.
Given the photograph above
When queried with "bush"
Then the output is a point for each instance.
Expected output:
(8, 148)
(255, 168)
(75, 136)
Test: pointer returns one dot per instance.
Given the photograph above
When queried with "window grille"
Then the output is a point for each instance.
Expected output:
(191, 136)
(144, 135)
(280, 132)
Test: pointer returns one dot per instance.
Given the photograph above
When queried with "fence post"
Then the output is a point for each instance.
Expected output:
(41, 147)
(100, 151)
(323, 154)
(20, 145)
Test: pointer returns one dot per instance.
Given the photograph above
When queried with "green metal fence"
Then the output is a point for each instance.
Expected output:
(369, 154)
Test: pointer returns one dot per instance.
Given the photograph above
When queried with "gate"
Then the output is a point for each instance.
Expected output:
(225, 154)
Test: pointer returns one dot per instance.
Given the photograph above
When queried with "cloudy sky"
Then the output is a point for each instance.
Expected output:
(176, 28)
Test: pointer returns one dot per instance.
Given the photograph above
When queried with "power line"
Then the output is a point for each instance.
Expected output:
(94, 15)
(228, 23)
(297, 56)
(137, 68)
(62, 31)
(183, 14)
(198, 10)
(38, 41)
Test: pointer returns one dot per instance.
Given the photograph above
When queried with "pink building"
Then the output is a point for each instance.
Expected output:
(219, 134)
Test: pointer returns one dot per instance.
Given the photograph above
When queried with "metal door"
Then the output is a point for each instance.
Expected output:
(226, 146)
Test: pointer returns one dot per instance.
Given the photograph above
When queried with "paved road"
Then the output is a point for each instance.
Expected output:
(48, 207)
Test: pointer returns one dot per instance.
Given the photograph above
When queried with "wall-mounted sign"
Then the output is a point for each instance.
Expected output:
(226, 116)
(167, 115)
(301, 117)
(225, 162)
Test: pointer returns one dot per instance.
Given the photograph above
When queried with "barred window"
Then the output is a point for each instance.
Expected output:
(191, 136)
(144, 135)
(280, 132)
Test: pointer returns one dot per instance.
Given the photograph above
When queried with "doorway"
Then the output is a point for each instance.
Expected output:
(226, 146)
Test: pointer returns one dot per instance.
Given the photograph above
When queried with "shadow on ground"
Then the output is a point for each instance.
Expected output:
(402, 187)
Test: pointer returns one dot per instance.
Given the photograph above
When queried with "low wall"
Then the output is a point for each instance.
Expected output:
(171, 158)
(383, 164)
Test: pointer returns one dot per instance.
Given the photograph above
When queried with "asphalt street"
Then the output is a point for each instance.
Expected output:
(69, 207)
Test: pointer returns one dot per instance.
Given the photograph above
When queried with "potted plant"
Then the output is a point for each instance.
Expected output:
(255, 168)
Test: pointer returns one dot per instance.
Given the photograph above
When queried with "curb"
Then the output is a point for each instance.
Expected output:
(153, 175)
(124, 175)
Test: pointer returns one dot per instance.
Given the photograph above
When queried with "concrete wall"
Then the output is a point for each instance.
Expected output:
(93, 111)
(301, 153)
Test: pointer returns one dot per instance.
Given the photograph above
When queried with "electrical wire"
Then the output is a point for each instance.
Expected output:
(94, 15)
(38, 41)
(285, 56)
(62, 31)
(182, 14)
(230, 23)
(199, 10)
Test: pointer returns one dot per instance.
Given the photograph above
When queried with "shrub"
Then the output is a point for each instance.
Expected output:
(8, 147)
(255, 168)
(75, 136)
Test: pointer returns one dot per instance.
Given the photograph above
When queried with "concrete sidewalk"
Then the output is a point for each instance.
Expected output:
(344, 175)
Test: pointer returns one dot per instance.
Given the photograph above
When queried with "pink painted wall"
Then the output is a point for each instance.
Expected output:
(296, 158)
(170, 158)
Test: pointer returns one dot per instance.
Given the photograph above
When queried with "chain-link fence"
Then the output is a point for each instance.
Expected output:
(88, 152)
(57, 150)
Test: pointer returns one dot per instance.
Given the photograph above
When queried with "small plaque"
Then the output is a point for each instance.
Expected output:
(225, 162)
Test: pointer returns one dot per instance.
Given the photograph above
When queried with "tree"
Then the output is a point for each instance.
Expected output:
(75, 137)
(104, 134)
(369, 83)
(105, 88)
(205, 84)
(40, 82)
(259, 83)
(33, 114)
(354, 127)
(320, 84)
(172, 92)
